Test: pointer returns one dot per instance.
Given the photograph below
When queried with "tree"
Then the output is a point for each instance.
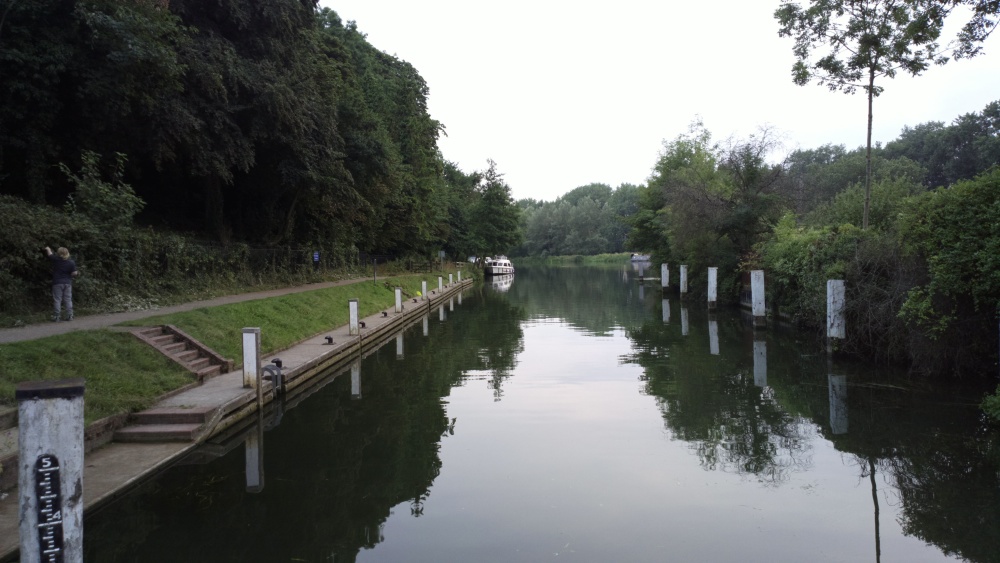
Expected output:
(496, 218)
(860, 41)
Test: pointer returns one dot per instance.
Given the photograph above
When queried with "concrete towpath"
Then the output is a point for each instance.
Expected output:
(91, 322)
(112, 469)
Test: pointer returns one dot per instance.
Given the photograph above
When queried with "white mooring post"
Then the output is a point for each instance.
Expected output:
(440, 284)
(353, 328)
(664, 276)
(451, 279)
(356, 380)
(759, 360)
(835, 304)
(684, 281)
(757, 298)
(460, 275)
(251, 357)
(666, 311)
(399, 300)
(50, 470)
(713, 287)
(838, 403)
(423, 289)
(399, 346)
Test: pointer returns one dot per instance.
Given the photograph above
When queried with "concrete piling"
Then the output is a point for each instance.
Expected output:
(399, 300)
(423, 288)
(353, 328)
(440, 283)
(757, 297)
(713, 288)
(835, 305)
(451, 279)
(50, 470)
(251, 357)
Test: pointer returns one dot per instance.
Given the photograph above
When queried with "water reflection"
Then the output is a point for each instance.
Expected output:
(397, 476)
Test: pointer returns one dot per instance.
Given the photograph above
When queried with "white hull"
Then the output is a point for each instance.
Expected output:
(499, 270)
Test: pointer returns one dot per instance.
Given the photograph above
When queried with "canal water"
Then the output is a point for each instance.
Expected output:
(575, 415)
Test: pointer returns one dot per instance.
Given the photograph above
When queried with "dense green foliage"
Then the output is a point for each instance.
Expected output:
(588, 220)
(269, 129)
(264, 122)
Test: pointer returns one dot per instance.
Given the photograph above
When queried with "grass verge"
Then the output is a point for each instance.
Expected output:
(125, 375)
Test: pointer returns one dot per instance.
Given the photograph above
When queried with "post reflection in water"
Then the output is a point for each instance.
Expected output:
(838, 403)
(759, 359)
(441, 313)
(684, 320)
(253, 446)
(451, 304)
(713, 336)
(399, 346)
(591, 430)
(356, 380)
(425, 324)
(666, 311)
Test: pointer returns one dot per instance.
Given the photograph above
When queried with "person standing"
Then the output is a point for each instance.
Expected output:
(63, 272)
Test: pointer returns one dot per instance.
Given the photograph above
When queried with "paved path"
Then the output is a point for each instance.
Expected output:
(90, 322)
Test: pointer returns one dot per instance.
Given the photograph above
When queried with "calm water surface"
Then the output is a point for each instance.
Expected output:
(576, 416)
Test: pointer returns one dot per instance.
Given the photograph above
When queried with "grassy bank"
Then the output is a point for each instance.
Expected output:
(125, 375)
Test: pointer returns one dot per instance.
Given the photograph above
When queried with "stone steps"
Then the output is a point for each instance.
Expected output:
(185, 350)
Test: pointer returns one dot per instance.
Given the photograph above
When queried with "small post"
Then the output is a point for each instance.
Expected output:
(399, 300)
(666, 311)
(399, 346)
(251, 357)
(759, 360)
(460, 275)
(835, 305)
(356, 380)
(684, 321)
(664, 276)
(423, 289)
(757, 297)
(353, 327)
(50, 470)
(713, 288)
(374, 270)
(684, 281)
(440, 283)
(451, 279)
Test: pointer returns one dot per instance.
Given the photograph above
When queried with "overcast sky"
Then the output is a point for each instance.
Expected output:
(566, 93)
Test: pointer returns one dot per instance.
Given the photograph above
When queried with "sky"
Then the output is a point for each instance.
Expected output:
(561, 94)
